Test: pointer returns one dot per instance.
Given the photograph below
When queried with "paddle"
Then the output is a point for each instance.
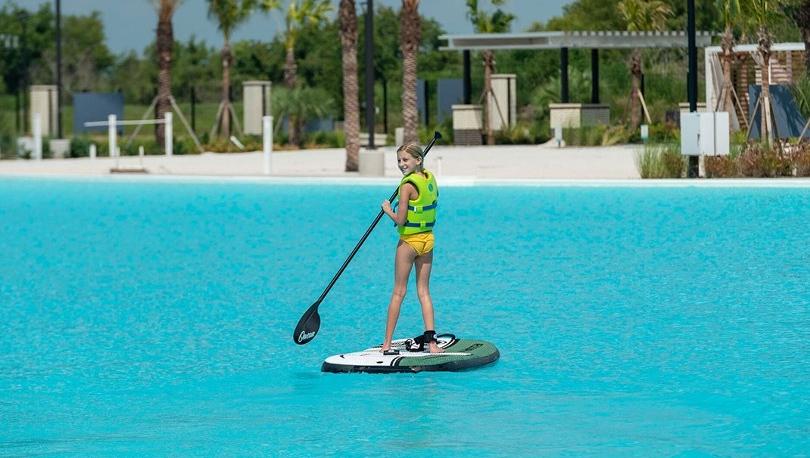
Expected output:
(310, 321)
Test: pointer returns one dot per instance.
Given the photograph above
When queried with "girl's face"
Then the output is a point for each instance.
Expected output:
(407, 163)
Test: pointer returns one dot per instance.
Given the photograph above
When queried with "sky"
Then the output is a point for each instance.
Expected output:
(129, 24)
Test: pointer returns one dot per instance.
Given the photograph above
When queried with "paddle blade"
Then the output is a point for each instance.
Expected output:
(308, 325)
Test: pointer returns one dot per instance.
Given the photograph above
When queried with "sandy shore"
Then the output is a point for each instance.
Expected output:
(507, 162)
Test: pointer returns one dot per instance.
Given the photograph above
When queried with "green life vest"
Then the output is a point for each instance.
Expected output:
(422, 211)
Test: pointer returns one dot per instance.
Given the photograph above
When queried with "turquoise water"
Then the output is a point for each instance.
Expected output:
(155, 318)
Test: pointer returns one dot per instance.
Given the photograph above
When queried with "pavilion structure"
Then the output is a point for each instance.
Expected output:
(566, 114)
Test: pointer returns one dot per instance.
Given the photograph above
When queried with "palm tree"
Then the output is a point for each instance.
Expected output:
(483, 22)
(229, 14)
(761, 14)
(299, 14)
(300, 102)
(351, 110)
(641, 15)
(409, 36)
(730, 11)
(164, 43)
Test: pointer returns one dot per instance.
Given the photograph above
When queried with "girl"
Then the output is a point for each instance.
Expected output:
(414, 218)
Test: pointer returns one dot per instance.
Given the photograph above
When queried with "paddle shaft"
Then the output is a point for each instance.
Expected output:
(368, 232)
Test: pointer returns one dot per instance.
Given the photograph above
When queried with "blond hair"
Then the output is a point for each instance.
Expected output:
(415, 151)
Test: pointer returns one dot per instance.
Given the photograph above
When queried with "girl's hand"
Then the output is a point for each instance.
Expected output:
(386, 206)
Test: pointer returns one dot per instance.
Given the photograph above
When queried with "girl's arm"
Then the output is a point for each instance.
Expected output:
(406, 192)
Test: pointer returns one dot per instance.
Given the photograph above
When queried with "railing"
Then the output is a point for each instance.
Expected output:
(112, 124)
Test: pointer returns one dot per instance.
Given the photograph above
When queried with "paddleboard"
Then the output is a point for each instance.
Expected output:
(458, 355)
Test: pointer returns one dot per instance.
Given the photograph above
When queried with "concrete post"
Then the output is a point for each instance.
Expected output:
(167, 136)
(111, 133)
(267, 141)
(36, 131)
(371, 163)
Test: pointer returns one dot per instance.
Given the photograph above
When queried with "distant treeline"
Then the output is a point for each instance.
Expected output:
(89, 65)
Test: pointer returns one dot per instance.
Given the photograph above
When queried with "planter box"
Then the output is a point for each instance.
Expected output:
(467, 124)
(578, 114)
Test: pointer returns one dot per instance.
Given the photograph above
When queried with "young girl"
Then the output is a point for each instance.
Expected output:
(414, 218)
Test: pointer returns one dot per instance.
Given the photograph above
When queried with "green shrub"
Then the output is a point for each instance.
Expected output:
(660, 160)
(648, 164)
(664, 133)
(150, 147)
(325, 139)
(279, 138)
(79, 146)
(584, 136)
(738, 140)
(224, 145)
(517, 134)
(541, 131)
(8, 147)
(340, 139)
(674, 163)
(615, 135)
(184, 145)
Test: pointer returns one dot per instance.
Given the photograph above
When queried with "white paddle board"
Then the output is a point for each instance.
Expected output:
(459, 354)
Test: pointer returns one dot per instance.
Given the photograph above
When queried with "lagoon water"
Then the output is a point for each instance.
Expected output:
(155, 318)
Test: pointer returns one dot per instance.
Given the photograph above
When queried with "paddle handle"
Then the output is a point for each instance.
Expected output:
(436, 136)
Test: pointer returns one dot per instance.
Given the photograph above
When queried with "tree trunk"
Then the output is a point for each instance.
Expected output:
(489, 68)
(635, 90)
(290, 69)
(764, 49)
(164, 43)
(410, 31)
(351, 89)
(290, 76)
(225, 120)
(727, 56)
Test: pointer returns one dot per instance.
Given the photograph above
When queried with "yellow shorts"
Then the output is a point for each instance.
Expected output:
(421, 242)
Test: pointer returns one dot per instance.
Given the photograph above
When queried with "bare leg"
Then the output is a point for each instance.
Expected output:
(423, 265)
(402, 269)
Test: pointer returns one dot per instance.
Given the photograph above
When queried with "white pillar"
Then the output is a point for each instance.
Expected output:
(111, 133)
(167, 134)
(36, 131)
(92, 151)
(267, 141)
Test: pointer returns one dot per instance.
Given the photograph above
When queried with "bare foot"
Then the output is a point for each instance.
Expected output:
(435, 348)
(385, 348)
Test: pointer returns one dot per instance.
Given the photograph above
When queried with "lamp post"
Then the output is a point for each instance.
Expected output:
(22, 74)
(59, 68)
(692, 170)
